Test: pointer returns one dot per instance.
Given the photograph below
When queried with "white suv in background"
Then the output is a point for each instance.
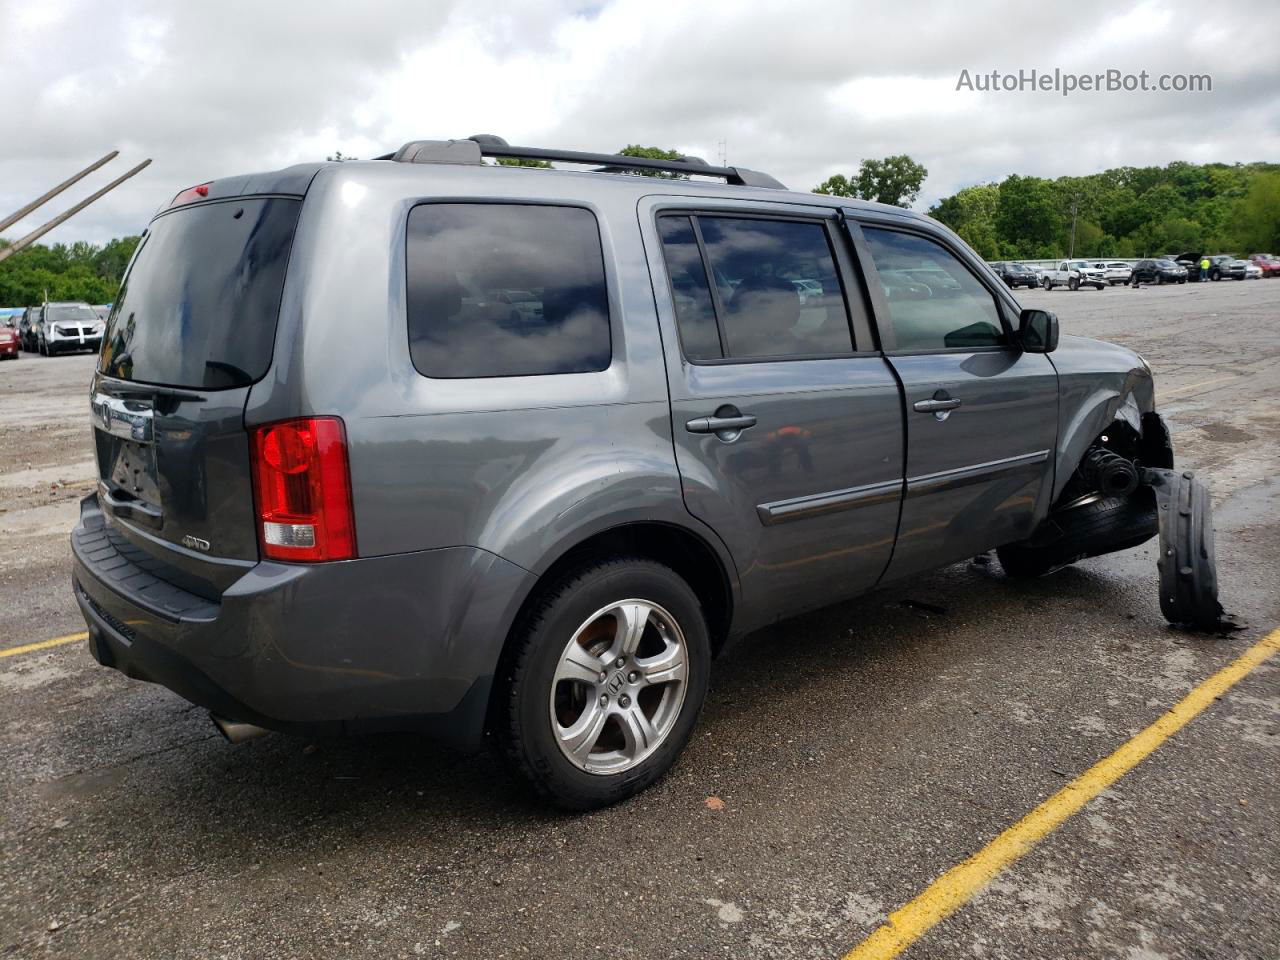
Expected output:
(64, 327)
(1115, 271)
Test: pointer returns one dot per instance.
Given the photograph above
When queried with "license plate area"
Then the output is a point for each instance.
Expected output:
(133, 471)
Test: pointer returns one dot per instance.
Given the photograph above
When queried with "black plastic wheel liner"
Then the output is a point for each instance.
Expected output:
(1188, 568)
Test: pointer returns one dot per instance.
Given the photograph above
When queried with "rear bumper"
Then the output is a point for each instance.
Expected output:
(405, 642)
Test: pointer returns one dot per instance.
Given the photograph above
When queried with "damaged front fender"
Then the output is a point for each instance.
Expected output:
(1100, 384)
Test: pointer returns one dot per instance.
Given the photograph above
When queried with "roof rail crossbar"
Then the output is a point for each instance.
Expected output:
(487, 145)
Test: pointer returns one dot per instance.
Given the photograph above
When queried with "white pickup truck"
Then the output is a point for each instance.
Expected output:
(1074, 274)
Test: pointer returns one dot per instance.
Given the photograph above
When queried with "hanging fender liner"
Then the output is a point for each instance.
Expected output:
(1188, 567)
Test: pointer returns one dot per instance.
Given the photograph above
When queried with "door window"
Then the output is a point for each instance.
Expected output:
(935, 302)
(695, 310)
(776, 292)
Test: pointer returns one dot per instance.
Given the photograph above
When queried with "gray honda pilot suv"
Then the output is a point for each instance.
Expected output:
(502, 453)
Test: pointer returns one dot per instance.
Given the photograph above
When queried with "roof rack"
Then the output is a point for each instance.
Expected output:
(474, 148)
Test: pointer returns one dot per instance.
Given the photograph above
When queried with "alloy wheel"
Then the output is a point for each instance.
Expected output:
(618, 686)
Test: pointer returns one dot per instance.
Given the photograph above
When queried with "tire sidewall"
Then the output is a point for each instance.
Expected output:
(598, 588)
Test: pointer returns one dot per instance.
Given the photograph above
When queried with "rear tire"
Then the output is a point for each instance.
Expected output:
(630, 730)
(1047, 284)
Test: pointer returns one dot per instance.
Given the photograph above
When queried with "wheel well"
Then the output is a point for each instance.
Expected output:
(686, 553)
(1150, 448)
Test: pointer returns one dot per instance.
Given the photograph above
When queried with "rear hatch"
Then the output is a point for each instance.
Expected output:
(192, 329)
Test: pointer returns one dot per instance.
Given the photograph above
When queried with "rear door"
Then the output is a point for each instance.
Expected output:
(787, 424)
(981, 415)
(192, 329)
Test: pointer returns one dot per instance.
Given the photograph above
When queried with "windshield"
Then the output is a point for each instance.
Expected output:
(1078, 265)
(1021, 267)
(198, 307)
(1166, 263)
(64, 314)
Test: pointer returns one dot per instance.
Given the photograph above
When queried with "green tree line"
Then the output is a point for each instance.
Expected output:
(1122, 212)
(80, 271)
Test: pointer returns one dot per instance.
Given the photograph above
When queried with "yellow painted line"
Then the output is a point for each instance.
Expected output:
(1165, 395)
(960, 884)
(43, 644)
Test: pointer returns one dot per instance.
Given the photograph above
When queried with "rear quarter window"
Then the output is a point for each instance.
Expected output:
(506, 290)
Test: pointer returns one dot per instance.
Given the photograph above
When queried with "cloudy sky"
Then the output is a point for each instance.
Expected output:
(799, 89)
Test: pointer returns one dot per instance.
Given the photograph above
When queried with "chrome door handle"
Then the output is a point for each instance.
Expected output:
(720, 424)
(935, 405)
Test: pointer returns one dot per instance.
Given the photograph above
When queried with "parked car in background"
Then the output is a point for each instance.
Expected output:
(1252, 271)
(27, 328)
(1015, 274)
(1189, 262)
(67, 327)
(1267, 263)
(808, 290)
(10, 344)
(539, 534)
(1074, 274)
(1223, 266)
(1158, 271)
(1116, 271)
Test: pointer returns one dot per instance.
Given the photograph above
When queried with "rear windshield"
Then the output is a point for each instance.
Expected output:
(198, 307)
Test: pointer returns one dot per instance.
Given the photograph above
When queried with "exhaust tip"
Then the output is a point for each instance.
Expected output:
(235, 731)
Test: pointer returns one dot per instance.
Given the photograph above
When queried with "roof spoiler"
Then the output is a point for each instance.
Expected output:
(474, 148)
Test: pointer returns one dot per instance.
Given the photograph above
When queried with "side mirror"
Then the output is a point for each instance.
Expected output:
(1038, 331)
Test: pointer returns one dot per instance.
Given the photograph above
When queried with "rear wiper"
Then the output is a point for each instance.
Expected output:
(239, 376)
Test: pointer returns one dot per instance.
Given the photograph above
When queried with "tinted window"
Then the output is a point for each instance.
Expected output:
(695, 313)
(776, 285)
(199, 306)
(934, 301)
(506, 290)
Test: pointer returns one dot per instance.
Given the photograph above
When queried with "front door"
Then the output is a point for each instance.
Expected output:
(981, 415)
(787, 426)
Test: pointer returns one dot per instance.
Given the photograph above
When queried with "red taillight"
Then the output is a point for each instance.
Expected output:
(303, 488)
(191, 194)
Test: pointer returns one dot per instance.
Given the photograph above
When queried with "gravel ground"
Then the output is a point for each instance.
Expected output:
(854, 755)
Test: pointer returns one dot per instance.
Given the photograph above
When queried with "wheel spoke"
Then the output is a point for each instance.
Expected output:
(580, 737)
(637, 730)
(578, 664)
(632, 618)
(666, 667)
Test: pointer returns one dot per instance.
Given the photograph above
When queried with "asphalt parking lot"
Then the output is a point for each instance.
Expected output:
(844, 761)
